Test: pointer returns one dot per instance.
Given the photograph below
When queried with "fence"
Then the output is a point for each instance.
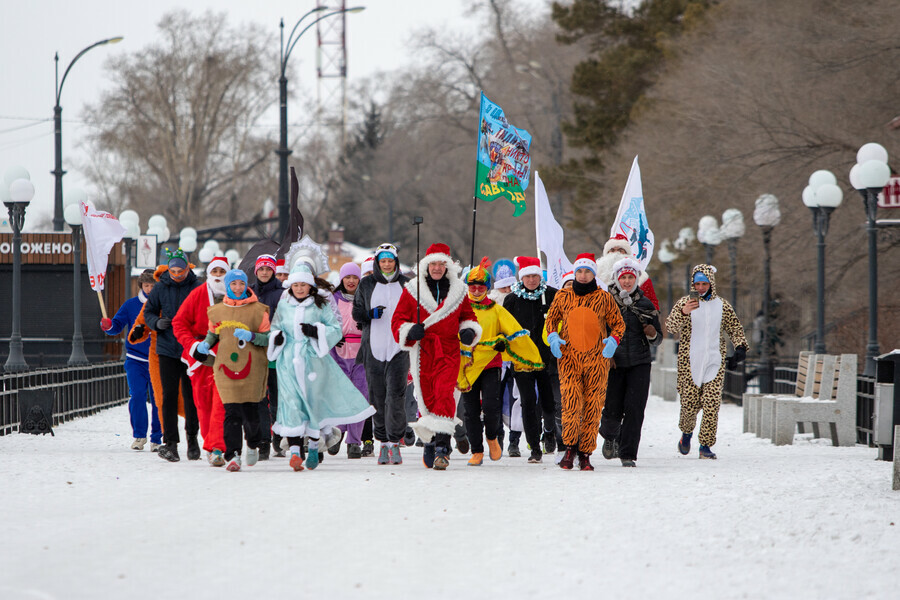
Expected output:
(77, 391)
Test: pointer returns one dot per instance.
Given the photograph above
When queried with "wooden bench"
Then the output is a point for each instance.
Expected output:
(752, 402)
(835, 406)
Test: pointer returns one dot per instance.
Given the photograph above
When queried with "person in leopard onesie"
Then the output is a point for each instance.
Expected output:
(576, 323)
(701, 319)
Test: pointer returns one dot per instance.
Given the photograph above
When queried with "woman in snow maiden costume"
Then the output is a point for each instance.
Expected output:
(137, 367)
(238, 328)
(629, 379)
(314, 395)
(386, 366)
(345, 351)
(701, 320)
(432, 318)
(479, 374)
(576, 324)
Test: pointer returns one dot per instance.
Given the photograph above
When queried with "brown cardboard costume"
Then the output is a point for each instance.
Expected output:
(241, 367)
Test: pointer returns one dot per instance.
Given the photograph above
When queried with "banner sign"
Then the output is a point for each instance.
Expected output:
(504, 161)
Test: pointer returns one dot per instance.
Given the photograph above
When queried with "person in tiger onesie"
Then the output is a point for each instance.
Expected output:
(700, 319)
(575, 325)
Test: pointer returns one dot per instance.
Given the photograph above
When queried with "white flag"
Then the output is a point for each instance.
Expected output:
(631, 220)
(101, 232)
(549, 236)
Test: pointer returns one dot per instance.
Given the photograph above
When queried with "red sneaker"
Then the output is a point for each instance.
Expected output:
(584, 461)
(296, 462)
(568, 461)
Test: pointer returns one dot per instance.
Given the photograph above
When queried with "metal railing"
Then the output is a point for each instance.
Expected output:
(77, 391)
(865, 410)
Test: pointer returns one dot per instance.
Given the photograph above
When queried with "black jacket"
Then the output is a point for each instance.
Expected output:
(531, 315)
(362, 304)
(269, 293)
(164, 301)
(634, 347)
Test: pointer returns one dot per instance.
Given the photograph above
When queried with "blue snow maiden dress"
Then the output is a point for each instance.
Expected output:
(314, 394)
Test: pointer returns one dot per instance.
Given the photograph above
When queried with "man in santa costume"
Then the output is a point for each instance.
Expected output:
(431, 319)
(190, 326)
(615, 249)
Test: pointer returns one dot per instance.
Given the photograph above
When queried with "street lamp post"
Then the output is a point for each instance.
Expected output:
(57, 132)
(732, 229)
(21, 191)
(822, 196)
(666, 256)
(284, 210)
(767, 215)
(708, 235)
(869, 176)
(73, 218)
(682, 244)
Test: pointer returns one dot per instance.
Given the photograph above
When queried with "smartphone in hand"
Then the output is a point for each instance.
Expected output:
(694, 295)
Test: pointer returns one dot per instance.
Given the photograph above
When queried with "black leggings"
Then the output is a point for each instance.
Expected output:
(483, 397)
(172, 372)
(240, 416)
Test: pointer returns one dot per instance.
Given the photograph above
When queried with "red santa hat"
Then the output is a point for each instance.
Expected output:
(438, 253)
(620, 242)
(368, 265)
(264, 260)
(570, 276)
(626, 265)
(529, 265)
(218, 261)
(586, 260)
(280, 267)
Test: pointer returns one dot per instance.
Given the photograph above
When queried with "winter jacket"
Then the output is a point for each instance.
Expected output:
(124, 320)
(190, 324)
(635, 347)
(531, 313)
(269, 293)
(165, 300)
(379, 287)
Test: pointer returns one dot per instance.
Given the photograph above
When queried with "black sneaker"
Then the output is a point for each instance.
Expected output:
(193, 448)
(354, 451)
(428, 456)
(368, 449)
(513, 450)
(549, 441)
(264, 450)
(535, 457)
(627, 462)
(684, 444)
(610, 449)
(409, 438)
(169, 452)
(462, 445)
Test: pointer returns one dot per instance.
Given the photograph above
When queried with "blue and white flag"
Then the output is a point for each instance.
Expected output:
(631, 220)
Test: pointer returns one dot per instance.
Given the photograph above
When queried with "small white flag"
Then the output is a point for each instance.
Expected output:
(101, 232)
(549, 236)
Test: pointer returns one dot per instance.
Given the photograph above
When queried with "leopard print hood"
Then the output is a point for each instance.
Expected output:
(710, 272)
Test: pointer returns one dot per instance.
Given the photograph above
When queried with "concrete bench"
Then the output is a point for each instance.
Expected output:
(752, 402)
(835, 407)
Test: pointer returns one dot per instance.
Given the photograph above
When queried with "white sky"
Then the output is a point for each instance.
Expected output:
(33, 30)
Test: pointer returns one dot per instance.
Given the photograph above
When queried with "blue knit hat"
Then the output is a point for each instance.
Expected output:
(235, 275)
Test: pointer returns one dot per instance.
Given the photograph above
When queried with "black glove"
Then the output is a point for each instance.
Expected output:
(279, 339)
(199, 356)
(163, 323)
(340, 343)
(500, 345)
(740, 353)
(136, 334)
(467, 336)
(309, 330)
(416, 332)
(376, 312)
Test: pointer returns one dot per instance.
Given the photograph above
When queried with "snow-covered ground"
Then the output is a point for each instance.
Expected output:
(86, 517)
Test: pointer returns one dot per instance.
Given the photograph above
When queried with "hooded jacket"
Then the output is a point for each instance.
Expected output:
(635, 347)
(164, 301)
(362, 304)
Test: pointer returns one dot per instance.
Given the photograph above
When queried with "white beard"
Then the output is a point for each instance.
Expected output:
(217, 285)
(605, 265)
(497, 296)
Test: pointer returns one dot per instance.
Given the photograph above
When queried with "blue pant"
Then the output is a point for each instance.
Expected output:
(138, 374)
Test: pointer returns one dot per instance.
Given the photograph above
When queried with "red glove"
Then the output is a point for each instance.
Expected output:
(105, 324)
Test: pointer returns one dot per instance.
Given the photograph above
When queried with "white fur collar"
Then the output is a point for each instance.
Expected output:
(455, 296)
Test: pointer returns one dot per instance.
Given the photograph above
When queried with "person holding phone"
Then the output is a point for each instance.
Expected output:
(700, 319)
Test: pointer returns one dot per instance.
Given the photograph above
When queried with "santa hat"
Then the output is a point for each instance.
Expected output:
(349, 268)
(626, 265)
(620, 241)
(264, 260)
(218, 261)
(586, 260)
(570, 276)
(368, 265)
(529, 265)
(301, 273)
(438, 253)
(280, 267)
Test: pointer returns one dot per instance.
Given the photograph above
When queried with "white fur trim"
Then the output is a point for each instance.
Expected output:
(273, 351)
(299, 277)
(584, 263)
(455, 294)
(505, 282)
(218, 261)
(321, 344)
(626, 261)
(614, 243)
(402, 333)
(472, 325)
(532, 270)
(428, 425)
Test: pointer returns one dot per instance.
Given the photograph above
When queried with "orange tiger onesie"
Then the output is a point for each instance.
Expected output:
(582, 321)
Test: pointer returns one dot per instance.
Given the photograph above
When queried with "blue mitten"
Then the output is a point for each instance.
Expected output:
(376, 312)
(203, 348)
(243, 335)
(555, 343)
(609, 347)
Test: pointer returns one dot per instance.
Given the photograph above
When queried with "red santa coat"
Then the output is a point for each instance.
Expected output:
(434, 360)
(190, 325)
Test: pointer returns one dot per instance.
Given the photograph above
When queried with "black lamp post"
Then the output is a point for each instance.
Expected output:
(57, 132)
(822, 196)
(284, 210)
(682, 243)
(73, 218)
(21, 191)
(869, 176)
(767, 216)
(666, 256)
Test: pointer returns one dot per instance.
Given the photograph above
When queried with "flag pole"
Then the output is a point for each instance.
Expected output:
(474, 214)
(102, 304)
(537, 239)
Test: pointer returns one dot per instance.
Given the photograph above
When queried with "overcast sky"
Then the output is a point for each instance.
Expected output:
(33, 30)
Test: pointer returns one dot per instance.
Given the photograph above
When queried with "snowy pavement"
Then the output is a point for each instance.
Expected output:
(86, 517)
